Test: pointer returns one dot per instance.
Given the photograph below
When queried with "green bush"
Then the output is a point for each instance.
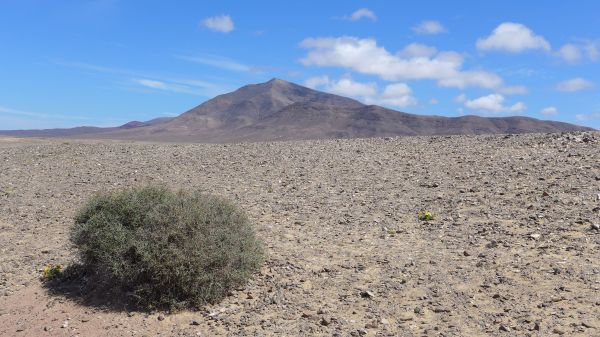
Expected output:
(166, 249)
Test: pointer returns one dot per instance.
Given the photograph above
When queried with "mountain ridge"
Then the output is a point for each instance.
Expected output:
(281, 110)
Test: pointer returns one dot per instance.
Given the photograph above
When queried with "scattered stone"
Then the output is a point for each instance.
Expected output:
(596, 226)
(194, 322)
(558, 331)
(504, 328)
(587, 325)
(161, 317)
(535, 236)
(366, 294)
(372, 325)
(325, 321)
(405, 316)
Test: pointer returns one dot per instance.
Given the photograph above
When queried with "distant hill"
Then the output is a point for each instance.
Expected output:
(280, 110)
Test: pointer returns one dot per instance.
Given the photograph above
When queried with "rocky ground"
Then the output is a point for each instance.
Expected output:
(513, 250)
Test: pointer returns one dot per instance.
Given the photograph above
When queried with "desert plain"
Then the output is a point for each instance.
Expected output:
(513, 249)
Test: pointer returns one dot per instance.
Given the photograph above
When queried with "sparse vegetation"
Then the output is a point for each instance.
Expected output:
(166, 249)
(424, 215)
(51, 272)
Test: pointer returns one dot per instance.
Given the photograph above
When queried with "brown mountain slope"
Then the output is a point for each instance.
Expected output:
(280, 110)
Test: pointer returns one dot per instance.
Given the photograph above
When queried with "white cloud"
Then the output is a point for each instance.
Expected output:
(395, 94)
(219, 23)
(16, 112)
(513, 90)
(574, 84)
(461, 98)
(429, 28)
(513, 38)
(183, 86)
(366, 57)
(493, 103)
(549, 111)
(434, 101)
(570, 53)
(151, 83)
(362, 13)
(417, 50)
(217, 61)
(578, 51)
(588, 117)
(317, 81)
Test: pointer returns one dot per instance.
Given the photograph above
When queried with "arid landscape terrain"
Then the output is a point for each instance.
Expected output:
(513, 250)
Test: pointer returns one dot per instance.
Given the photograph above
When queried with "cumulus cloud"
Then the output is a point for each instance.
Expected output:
(429, 28)
(219, 23)
(513, 90)
(588, 117)
(579, 51)
(570, 53)
(363, 13)
(574, 84)
(395, 94)
(513, 38)
(418, 50)
(415, 62)
(549, 111)
(493, 103)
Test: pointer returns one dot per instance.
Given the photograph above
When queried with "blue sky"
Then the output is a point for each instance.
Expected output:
(105, 62)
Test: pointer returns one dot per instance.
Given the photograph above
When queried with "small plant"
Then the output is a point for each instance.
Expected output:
(424, 215)
(51, 272)
(165, 249)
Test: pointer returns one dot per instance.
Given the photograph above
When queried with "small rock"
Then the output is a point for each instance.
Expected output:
(405, 316)
(535, 236)
(440, 310)
(558, 331)
(465, 253)
(372, 325)
(195, 323)
(504, 328)
(361, 332)
(536, 326)
(161, 317)
(366, 294)
(325, 321)
(306, 315)
(596, 226)
(65, 325)
(587, 325)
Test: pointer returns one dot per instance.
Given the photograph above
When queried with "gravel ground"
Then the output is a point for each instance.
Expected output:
(512, 251)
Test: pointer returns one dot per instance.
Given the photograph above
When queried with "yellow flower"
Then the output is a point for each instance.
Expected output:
(424, 215)
(51, 271)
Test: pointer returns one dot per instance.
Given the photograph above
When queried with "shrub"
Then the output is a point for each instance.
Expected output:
(166, 249)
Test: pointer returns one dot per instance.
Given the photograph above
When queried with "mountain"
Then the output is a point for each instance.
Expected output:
(280, 110)
(82, 130)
